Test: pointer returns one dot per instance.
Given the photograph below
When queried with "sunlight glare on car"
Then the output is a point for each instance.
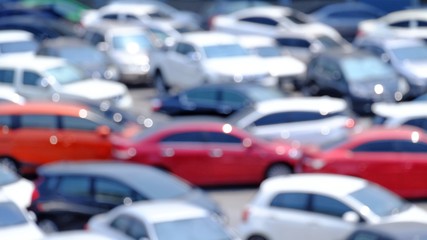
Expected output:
(379, 89)
(226, 128)
(83, 113)
(415, 137)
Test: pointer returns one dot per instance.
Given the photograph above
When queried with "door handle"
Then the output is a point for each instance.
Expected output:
(167, 152)
(215, 153)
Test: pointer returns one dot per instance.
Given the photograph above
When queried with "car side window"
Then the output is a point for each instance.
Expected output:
(293, 42)
(6, 120)
(202, 96)
(260, 20)
(110, 191)
(74, 186)
(400, 24)
(412, 147)
(275, 118)
(185, 49)
(121, 223)
(364, 235)
(137, 230)
(184, 137)
(31, 79)
(218, 137)
(377, 146)
(421, 23)
(329, 206)
(111, 16)
(77, 123)
(95, 38)
(297, 201)
(6, 76)
(233, 98)
(39, 121)
(417, 122)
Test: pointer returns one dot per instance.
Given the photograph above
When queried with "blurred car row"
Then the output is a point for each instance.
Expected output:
(284, 90)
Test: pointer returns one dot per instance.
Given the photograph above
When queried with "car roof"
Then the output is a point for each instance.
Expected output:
(60, 42)
(206, 38)
(273, 11)
(342, 53)
(380, 132)
(115, 27)
(251, 41)
(76, 235)
(15, 35)
(163, 210)
(388, 42)
(37, 63)
(399, 110)
(43, 107)
(420, 13)
(323, 105)
(330, 184)
(139, 8)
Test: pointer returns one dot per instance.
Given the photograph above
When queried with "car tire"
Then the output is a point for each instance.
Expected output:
(48, 226)
(278, 169)
(256, 237)
(161, 87)
(9, 164)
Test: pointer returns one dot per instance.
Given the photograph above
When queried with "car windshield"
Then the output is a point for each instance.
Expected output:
(380, 201)
(10, 215)
(18, 47)
(132, 43)
(7, 176)
(360, 69)
(328, 42)
(225, 50)
(268, 51)
(78, 55)
(415, 53)
(195, 228)
(65, 74)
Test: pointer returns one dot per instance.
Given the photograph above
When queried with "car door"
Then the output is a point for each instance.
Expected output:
(379, 161)
(231, 161)
(186, 155)
(79, 134)
(182, 66)
(32, 86)
(414, 154)
(36, 139)
(326, 218)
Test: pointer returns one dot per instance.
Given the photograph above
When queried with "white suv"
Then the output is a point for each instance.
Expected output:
(207, 57)
(51, 78)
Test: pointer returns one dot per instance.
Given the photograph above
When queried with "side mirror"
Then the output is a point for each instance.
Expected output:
(103, 131)
(351, 217)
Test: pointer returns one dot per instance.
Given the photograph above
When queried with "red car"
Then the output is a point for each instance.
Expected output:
(209, 153)
(395, 158)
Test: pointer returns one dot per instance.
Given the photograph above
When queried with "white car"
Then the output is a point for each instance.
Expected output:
(398, 114)
(289, 71)
(207, 57)
(160, 220)
(52, 78)
(270, 21)
(403, 23)
(17, 223)
(77, 235)
(9, 95)
(18, 189)
(143, 12)
(17, 42)
(321, 207)
(307, 120)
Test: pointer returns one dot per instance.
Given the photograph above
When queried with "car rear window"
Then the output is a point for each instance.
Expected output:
(11, 215)
(7, 176)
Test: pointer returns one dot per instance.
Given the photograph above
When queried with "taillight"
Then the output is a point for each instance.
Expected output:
(156, 104)
(245, 215)
(35, 194)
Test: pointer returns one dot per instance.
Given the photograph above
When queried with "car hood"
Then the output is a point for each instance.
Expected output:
(249, 65)
(24, 231)
(95, 89)
(276, 66)
(367, 88)
(413, 214)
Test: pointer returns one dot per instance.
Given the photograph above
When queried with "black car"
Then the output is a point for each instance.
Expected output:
(357, 76)
(67, 194)
(220, 99)
(93, 62)
(391, 231)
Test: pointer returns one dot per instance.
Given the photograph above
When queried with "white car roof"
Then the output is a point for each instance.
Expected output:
(207, 38)
(36, 63)
(328, 184)
(252, 41)
(407, 14)
(276, 12)
(9, 93)
(161, 211)
(126, 7)
(15, 35)
(400, 110)
(319, 104)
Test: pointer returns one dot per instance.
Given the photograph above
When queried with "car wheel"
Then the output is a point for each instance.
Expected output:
(161, 87)
(9, 164)
(256, 238)
(48, 226)
(278, 169)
